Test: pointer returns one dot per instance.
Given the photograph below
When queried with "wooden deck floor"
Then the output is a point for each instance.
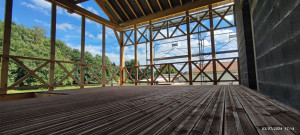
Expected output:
(150, 110)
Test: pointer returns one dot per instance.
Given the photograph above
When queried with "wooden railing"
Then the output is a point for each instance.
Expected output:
(165, 72)
(89, 69)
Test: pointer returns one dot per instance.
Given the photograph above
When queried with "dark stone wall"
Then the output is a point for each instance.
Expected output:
(276, 32)
(245, 44)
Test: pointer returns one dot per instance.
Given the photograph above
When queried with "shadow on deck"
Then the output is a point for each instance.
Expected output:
(150, 110)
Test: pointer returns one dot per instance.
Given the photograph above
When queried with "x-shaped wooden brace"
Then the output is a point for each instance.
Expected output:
(128, 37)
(202, 71)
(69, 74)
(129, 74)
(158, 31)
(142, 34)
(30, 72)
(199, 22)
(223, 17)
(227, 70)
(113, 74)
(177, 27)
(118, 37)
(143, 73)
(159, 73)
(94, 75)
(179, 72)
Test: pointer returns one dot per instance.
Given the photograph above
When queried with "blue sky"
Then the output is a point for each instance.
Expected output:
(37, 12)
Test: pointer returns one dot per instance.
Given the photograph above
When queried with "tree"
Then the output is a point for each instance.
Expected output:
(31, 42)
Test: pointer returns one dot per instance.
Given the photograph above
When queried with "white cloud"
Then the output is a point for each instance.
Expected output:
(97, 37)
(42, 3)
(42, 22)
(65, 26)
(36, 7)
(92, 10)
(229, 18)
(41, 6)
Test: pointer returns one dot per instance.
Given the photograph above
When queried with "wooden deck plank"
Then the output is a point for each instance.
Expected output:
(260, 117)
(225, 110)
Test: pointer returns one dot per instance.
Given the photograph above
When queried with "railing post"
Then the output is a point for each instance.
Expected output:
(135, 55)
(189, 47)
(82, 52)
(151, 53)
(6, 46)
(239, 72)
(212, 40)
(122, 58)
(52, 46)
(103, 56)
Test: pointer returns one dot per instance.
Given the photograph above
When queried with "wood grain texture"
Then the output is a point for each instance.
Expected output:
(228, 110)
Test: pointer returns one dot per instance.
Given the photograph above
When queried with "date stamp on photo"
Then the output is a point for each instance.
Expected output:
(277, 128)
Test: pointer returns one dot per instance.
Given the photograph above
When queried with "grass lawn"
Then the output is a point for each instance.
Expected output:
(61, 88)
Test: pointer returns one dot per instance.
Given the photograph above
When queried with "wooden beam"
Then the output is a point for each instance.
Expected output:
(181, 2)
(140, 7)
(212, 40)
(168, 12)
(170, 4)
(103, 57)
(149, 6)
(6, 46)
(135, 55)
(158, 2)
(82, 52)
(80, 1)
(52, 46)
(151, 52)
(117, 1)
(122, 58)
(188, 36)
(114, 10)
(100, 3)
(131, 8)
(81, 11)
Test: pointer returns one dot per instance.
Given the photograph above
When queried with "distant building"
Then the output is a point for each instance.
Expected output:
(209, 71)
(179, 80)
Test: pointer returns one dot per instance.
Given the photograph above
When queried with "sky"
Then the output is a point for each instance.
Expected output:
(68, 29)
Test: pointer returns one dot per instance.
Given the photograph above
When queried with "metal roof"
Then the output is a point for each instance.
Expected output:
(124, 14)
(129, 12)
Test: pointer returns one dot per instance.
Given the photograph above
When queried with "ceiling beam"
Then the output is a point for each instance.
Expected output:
(170, 4)
(103, 8)
(114, 10)
(131, 8)
(149, 6)
(158, 2)
(86, 13)
(80, 1)
(117, 1)
(181, 2)
(168, 12)
(139, 5)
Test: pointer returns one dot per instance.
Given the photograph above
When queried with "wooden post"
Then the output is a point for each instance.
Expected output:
(52, 46)
(122, 58)
(212, 40)
(168, 35)
(103, 56)
(151, 52)
(6, 46)
(82, 52)
(135, 55)
(189, 47)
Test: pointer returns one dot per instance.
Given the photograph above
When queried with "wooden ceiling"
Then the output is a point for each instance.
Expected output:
(124, 14)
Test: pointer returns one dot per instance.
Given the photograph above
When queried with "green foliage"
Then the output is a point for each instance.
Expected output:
(31, 42)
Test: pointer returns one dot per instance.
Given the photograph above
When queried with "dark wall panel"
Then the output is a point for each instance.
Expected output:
(276, 32)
